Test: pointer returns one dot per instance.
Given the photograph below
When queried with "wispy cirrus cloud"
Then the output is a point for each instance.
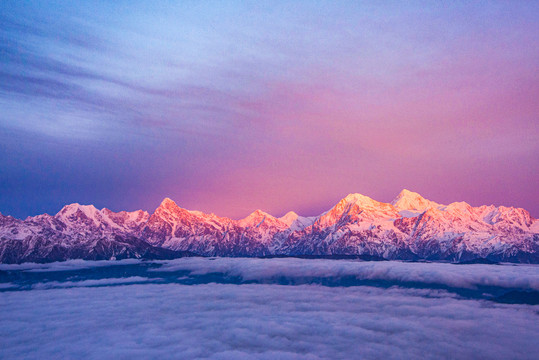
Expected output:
(245, 106)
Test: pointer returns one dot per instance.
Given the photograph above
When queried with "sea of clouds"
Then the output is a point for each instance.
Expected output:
(282, 271)
(525, 277)
(136, 309)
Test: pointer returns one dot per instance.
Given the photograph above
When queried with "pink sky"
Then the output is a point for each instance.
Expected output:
(228, 108)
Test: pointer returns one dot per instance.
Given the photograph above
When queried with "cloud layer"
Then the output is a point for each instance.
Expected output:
(223, 308)
(475, 278)
(522, 277)
(216, 321)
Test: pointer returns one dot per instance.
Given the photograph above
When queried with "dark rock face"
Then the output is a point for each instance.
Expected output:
(410, 228)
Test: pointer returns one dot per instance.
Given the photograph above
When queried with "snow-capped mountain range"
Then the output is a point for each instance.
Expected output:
(409, 228)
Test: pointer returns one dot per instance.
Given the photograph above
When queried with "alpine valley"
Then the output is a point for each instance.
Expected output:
(409, 228)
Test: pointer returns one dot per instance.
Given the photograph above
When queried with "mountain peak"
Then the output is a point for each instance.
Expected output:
(257, 214)
(409, 200)
(167, 208)
(167, 203)
(289, 217)
(72, 208)
(362, 201)
(255, 218)
(75, 212)
(359, 199)
(355, 203)
(408, 193)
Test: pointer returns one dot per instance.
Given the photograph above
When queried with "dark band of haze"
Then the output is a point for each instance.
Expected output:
(229, 107)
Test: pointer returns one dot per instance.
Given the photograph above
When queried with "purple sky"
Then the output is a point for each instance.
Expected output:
(230, 107)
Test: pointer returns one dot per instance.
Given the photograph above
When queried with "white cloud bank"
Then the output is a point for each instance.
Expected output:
(524, 277)
(93, 282)
(224, 321)
(122, 313)
(69, 265)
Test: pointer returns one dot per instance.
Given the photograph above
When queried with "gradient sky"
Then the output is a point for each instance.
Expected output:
(227, 107)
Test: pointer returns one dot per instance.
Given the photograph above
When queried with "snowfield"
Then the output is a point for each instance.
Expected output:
(222, 308)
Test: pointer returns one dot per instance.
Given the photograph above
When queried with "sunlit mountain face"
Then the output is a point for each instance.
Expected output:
(409, 228)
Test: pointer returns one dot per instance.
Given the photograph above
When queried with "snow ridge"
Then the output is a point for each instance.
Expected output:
(409, 228)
